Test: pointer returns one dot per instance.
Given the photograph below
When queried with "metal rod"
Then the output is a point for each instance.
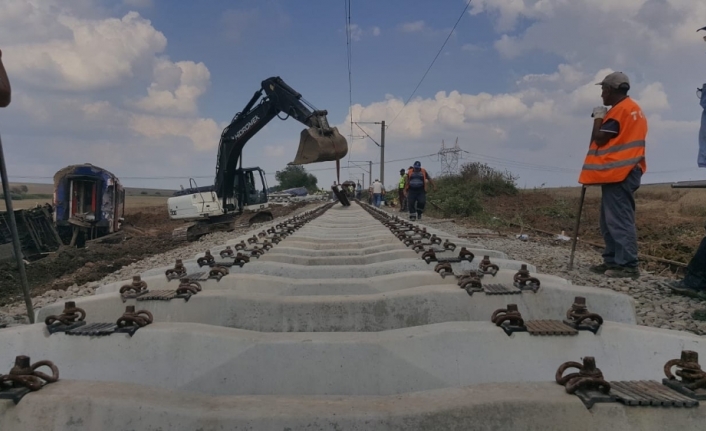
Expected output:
(382, 152)
(15, 236)
(576, 228)
(689, 185)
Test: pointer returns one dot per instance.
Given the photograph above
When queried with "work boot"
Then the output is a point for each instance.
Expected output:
(623, 272)
(413, 217)
(602, 268)
(679, 288)
(419, 216)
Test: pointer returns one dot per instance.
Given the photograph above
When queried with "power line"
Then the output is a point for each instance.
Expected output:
(347, 9)
(432, 62)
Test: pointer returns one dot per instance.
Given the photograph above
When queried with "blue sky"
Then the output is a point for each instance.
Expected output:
(144, 87)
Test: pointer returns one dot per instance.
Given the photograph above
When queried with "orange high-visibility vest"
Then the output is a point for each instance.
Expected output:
(424, 175)
(613, 162)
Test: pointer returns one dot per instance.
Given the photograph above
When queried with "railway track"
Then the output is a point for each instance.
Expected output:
(348, 318)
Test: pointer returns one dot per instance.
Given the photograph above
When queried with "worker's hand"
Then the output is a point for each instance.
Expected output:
(599, 112)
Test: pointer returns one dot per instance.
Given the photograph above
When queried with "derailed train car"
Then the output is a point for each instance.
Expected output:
(89, 202)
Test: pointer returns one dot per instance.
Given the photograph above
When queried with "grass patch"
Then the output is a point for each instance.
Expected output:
(659, 195)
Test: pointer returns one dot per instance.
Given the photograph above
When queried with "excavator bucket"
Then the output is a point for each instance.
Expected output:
(316, 146)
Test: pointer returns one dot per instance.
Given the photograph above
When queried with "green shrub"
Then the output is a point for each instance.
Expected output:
(461, 194)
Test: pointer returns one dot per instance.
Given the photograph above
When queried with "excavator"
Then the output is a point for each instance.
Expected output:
(235, 190)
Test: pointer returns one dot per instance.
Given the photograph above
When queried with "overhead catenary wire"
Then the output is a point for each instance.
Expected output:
(349, 50)
(468, 3)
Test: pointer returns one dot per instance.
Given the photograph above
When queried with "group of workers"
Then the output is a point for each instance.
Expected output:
(411, 191)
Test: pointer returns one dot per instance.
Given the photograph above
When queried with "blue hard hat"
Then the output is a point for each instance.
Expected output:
(417, 164)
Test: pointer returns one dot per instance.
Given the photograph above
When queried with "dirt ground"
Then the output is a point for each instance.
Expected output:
(147, 231)
(670, 222)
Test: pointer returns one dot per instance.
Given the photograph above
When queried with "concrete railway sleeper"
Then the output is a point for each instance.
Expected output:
(346, 316)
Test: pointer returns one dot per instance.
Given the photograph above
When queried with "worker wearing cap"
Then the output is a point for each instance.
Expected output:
(416, 190)
(616, 162)
(400, 190)
(5, 91)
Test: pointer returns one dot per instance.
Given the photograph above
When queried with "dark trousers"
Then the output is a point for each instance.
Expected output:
(695, 277)
(618, 220)
(402, 198)
(416, 199)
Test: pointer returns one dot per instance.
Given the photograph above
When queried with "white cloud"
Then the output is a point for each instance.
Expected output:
(203, 133)
(86, 54)
(653, 98)
(358, 33)
(176, 87)
(91, 87)
(412, 27)
(545, 121)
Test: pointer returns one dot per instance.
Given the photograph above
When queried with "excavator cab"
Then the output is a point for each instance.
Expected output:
(320, 143)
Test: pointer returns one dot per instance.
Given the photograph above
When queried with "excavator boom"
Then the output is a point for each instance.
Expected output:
(318, 143)
(234, 187)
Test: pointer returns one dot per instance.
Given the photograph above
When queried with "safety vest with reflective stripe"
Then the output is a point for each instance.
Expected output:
(416, 180)
(613, 162)
(402, 181)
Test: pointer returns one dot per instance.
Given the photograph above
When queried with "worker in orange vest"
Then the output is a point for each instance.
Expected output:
(616, 162)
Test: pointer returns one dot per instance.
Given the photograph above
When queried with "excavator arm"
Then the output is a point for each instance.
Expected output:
(319, 143)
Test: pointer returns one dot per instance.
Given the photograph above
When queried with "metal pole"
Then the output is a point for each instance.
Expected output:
(382, 153)
(370, 171)
(15, 236)
(574, 240)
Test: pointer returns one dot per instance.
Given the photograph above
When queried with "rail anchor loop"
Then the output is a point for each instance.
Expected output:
(70, 315)
(588, 377)
(134, 318)
(218, 272)
(188, 286)
(487, 267)
(448, 245)
(206, 259)
(524, 281)
(691, 377)
(509, 319)
(470, 283)
(178, 271)
(579, 317)
(135, 288)
(24, 375)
